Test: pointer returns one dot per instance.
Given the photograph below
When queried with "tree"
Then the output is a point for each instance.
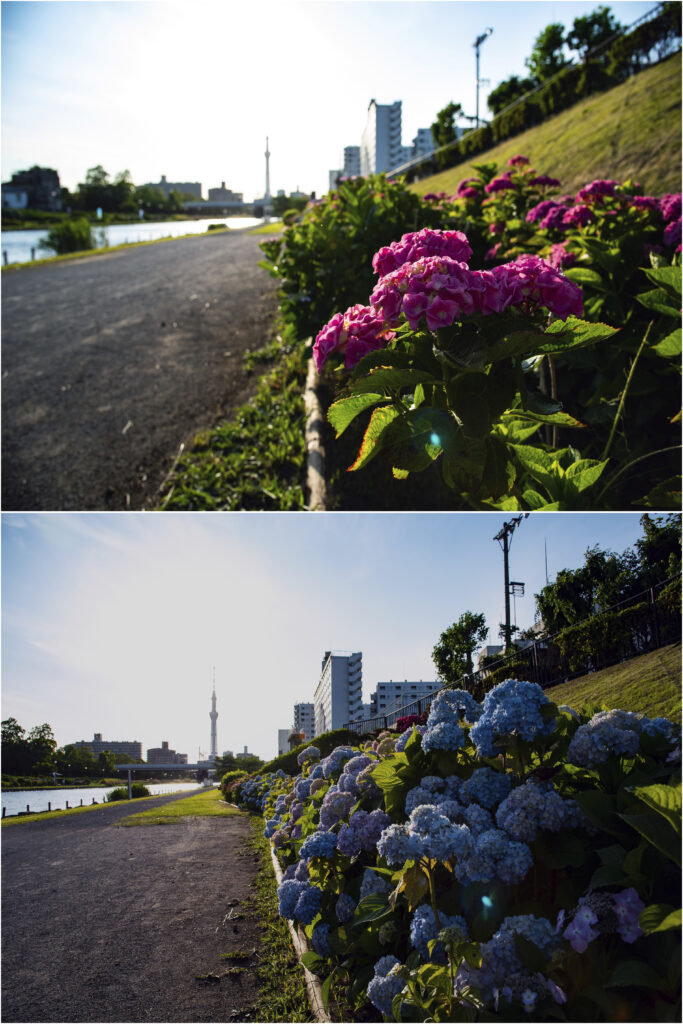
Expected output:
(546, 57)
(659, 551)
(507, 92)
(443, 129)
(453, 653)
(592, 30)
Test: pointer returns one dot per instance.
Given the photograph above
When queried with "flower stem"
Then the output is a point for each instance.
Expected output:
(623, 393)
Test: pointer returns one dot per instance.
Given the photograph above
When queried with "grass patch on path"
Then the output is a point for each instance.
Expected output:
(268, 229)
(649, 684)
(257, 459)
(630, 131)
(49, 815)
(282, 991)
(202, 805)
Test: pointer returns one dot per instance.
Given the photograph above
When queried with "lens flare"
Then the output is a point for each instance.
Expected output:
(435, 439)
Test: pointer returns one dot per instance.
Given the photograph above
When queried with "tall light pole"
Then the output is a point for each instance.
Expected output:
(477, 43)
(504, 538)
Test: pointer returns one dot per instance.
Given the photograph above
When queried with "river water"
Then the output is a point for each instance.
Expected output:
(17, 800)
(18, 244)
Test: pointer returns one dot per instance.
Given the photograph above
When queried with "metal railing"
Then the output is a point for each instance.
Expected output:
(543, 661)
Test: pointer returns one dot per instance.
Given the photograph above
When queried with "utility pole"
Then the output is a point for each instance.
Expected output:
(477, 43)
(504, 538)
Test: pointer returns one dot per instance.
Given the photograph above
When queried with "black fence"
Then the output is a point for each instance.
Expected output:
(639, 624)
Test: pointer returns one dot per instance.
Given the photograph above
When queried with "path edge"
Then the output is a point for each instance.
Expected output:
(316, 484)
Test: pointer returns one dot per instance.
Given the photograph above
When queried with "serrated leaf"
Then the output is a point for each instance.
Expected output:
(659, 917)
(313, 962)
(666, 495)
(666, 800)
(585, 472)
(660, 301)
(371, 908)
(388, 379)
(373, 437)
(343, 412)
(560, 419)
(669, 347)
(666, 277)
(573, 333)
(582, 275)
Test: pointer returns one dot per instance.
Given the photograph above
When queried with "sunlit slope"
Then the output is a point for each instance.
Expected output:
(631, 131)
(650, 684)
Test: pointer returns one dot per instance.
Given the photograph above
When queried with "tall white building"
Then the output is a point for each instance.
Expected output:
(392, 695)
(304, 719)
(338, 697)
(380, 146)
(283, 740)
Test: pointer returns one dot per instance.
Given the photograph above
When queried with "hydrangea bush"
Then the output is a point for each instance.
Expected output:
(526, 865)
(524, 340)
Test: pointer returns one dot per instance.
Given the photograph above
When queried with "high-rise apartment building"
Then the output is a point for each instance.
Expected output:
(423, 143)
(380, 147)
(304, 719)
(338, 696)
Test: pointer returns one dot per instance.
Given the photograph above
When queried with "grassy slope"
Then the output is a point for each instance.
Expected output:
(631, 131)
(650, 684)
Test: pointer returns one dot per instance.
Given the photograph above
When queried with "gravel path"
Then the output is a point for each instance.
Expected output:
(110, 362)
(101, 923)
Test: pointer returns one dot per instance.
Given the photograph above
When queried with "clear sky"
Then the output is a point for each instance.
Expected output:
(192, 89)
(112, 623)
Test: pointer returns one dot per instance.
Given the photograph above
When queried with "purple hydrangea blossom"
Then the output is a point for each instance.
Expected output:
(577, 216)
(580, 933)
(608, 732)
(361, 329)
(385, 985)
(373, 883)
(535, 805)
(486, 786)
(499, 960)
(362, 833)
(321, 939)
(423, 929)
(670, 206)
(334, 807)
(404, 737)
(512, 708)
(334, 762)
(345, 908)
(628, 907)
(309, 754)
(499, 185)
(493, 855)
(319, 844)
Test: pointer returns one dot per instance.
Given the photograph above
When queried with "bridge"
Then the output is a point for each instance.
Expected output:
(200, 766)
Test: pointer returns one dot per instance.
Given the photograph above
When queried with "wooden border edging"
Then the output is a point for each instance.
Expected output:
(315, 450)
(300, 943)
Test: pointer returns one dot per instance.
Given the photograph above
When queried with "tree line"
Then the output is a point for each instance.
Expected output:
(120, 195)
(603, 580)
(36, 753)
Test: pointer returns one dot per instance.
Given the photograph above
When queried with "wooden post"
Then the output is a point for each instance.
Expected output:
(67, 805)
(4, 256)
(49, 805)
(28, 809)
(130, 791)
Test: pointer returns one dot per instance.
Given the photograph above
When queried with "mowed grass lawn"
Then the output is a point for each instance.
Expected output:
(202, 805)
(649, 684)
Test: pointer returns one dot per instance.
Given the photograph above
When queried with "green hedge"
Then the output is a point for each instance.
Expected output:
(325, 744)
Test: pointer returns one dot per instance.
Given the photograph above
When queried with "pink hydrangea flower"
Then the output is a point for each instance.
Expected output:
(517, 161)
(539, 211)
(417, 244)
(361, 329)
(536, 283)
(496, 229)
(645, 202)
(596, 190)
(469, 193)
(578, 216)
(559, 257)
(670, 206)
(465, 184)
(554, 218)
(672, 233)
(499, 184)
(544, 179)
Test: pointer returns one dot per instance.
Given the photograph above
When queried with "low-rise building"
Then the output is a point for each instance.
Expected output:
(191, 188)
(35, 189)
(389, 696)
(224, 195)
(132, 748)
(162, 755)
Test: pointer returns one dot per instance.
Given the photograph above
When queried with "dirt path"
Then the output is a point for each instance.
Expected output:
(110, 362)
(101, 923)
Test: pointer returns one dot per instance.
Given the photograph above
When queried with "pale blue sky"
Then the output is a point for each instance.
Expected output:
(191, 90)
(112, 622)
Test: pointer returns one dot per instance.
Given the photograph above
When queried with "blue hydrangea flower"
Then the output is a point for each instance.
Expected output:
(405, 736)
(288, 894)
(308, 904)
(396, 846)
(486, 786)
(345, 907)
(423, 928)
(608, 732)
(512, 708)
(443, 736)
(316, 772)
(457, 704)
(373, 883)
(477, 818)
(334, 762)
(358, 763)
(309, 754)
(301, 871)
(319, 844)
(362, 832)
(321, 940)
(334, 807)
(493, 855)
(535, 805)
(385, 985)
(499, 960)
(302, 789)
(348, 784)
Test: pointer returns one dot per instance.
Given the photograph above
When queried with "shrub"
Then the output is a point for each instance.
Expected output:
(70, 236)
(229, 780)
(137, 789)
(325, 743)
(499, 867)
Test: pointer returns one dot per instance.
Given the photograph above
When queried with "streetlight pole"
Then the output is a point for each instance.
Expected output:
(477, 43)
(504, 538)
